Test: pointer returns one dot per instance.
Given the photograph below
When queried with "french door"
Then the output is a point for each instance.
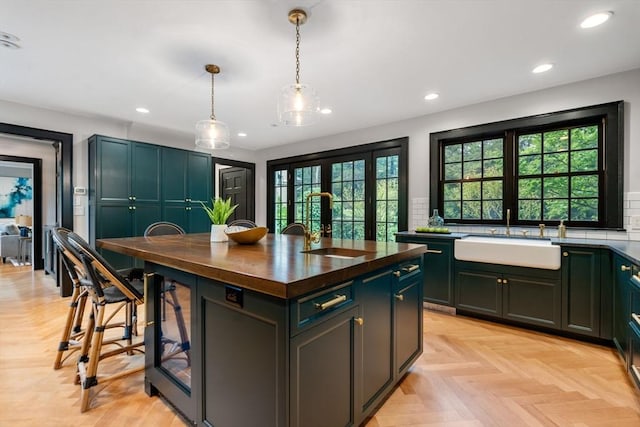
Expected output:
(369, 195)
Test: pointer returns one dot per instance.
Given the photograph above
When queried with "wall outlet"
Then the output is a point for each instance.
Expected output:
(635, 222)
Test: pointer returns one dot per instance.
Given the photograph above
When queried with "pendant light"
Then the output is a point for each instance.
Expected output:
(212, 134)
(298, 103)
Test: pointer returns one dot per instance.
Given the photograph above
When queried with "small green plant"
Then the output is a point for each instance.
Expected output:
(221, 210)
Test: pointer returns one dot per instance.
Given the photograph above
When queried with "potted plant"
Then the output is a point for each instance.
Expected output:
(220, 211)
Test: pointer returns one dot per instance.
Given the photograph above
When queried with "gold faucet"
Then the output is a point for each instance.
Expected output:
(508, 219)
(309, 236)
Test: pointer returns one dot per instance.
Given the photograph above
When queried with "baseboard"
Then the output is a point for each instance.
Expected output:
(439, 307)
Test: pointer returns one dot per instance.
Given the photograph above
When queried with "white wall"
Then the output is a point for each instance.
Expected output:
(623, 86)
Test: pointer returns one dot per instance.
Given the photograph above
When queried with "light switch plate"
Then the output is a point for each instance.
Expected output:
(635, 222)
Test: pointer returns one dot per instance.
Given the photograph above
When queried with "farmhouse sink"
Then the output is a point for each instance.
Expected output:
(535, 253)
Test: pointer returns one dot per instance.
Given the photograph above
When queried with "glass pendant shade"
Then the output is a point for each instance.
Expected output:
(298, 105)
(212, 134)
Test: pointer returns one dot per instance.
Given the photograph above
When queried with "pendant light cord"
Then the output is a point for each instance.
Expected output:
(213, 116)
(297, 51)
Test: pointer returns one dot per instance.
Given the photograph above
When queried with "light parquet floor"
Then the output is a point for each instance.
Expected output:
(472, 373)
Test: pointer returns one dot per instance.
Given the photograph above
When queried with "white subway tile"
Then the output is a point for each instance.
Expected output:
(633, 195)
(617, 235)
(634, 235)
(596, 234)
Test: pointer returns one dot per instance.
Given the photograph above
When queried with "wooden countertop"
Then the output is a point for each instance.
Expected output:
(274, 266)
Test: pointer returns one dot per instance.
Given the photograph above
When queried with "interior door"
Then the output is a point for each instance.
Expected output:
(233, 183)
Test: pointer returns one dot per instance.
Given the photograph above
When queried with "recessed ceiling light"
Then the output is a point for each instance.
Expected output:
(142, 110)
(596, 19)
(325, 111)
(242, 134)
(9, 40)
(431, 96)
(542, 68)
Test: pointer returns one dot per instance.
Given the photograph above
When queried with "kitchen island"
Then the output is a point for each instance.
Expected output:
(275, 336)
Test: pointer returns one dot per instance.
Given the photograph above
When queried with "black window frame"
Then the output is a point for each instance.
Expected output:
(612, 181)
(369, 149)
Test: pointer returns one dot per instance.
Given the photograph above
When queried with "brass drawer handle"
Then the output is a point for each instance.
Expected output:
(411, 268)
(335, 301)
(396, 273)
(636, 318)
(624, 268)
(433, 251)
(399, 297)
(359, 320)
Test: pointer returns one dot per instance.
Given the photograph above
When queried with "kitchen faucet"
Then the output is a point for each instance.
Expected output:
(508, 219)
(309, 236)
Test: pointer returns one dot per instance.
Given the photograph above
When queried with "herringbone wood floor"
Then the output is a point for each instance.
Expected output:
(472, 373)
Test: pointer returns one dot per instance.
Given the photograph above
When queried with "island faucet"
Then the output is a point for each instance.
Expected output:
(309, 236)
(508, 219)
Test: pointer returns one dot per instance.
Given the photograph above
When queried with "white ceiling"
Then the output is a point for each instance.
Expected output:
(371, 62)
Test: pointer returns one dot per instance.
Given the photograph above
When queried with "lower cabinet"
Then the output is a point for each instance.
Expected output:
(623, 269)
(323, 375)
(633, 328)
(525, 295)
(582, 294)
(438, 279)
(325, 359)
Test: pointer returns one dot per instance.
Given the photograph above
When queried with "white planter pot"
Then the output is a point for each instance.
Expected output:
(218, 234)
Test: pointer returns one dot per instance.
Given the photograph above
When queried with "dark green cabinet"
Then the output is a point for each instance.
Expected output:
(375, 295)
(581, 290)
(623, 269)
(324, 373)
(407, 298)
(186, 183)
(633, 328)
(134, 184)
(525, 295)
(124, 191)
(439, 268)
(327, 358)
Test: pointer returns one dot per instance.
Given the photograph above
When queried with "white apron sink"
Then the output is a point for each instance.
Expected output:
(532, 253)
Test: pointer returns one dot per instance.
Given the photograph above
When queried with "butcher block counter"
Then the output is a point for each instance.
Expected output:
(270, 335)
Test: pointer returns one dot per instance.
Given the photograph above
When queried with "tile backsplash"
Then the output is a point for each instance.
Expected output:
(631, 208)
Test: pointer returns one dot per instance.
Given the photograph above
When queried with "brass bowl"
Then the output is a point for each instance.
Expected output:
(247, 236)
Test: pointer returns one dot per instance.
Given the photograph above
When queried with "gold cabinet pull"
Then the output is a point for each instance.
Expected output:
(433, 251)
(396, 273)
(636, 318)
(565, 253)
(500, 281)
(334, 301)
(359, 320)
(624, 268)
(399, 297)
(411, 268)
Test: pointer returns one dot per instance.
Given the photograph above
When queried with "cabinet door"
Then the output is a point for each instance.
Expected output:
(438, 276)
(114, 221)
(113, 174)
(621, 314)
(634, 352)
(145, 173)
(144, 215)
(198, 220)
(176, 213)
(532, 300)
(323, 373)
(199, 178)
(377, 363)
(174, 172)
(581, 290)
(408, 322)
(479, 292)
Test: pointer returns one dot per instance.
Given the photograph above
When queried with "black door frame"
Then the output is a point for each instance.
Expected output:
(64, 199)
(36, 261)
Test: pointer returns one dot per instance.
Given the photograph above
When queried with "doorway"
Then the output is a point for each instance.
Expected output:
(236, 180)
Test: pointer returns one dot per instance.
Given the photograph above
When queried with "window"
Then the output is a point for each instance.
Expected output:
(368, 183)
(559, 166)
